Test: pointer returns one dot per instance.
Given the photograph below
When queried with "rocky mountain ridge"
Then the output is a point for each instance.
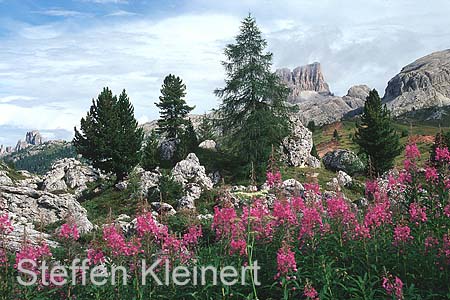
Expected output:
(424, 83)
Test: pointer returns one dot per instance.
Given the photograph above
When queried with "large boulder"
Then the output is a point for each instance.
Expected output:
(35, 206)
(69, 173)
(192, 176)
(147, 180)
(4, 178)
(343, 160)
(296, 148)
(208, 145)
(168, 148)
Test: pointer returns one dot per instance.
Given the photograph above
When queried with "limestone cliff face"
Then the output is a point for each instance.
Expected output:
(304, 78)
(422, 84)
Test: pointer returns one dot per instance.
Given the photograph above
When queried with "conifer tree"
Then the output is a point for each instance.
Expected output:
(173, 107)
(150, 154)
(110, 136)
(376, 136)
(253, 114)
(206, 129)
(188, 142)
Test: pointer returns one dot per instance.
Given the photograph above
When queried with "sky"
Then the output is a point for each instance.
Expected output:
(55, 56)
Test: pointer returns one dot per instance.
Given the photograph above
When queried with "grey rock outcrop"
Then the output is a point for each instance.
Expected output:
(343, 160)
(34, 138)
(292, 187)
(422, 84)
(168, 148)
(192, 176)
(304, 78)
(4, 178)
(208, 145)
(69, 173)
(296, 148)
(147, 180)
(42, 207)
(344, 179)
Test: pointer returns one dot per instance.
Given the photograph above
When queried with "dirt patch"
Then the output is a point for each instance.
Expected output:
(422, 139)
(329, 129)
(325, 147)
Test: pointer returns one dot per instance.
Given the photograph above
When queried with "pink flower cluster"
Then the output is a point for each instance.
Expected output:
(442, 155)
(285, 261)
(412, 152)
(273, 179)
(393, 286)
(310, 292)
(95, 256)
(116, 242)
(5, 224)
(32, 253)
(402, 234)
(69, 231)
(431, 174)
(378, 214)
(417, 213)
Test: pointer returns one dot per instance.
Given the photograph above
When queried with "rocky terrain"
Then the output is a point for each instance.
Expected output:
(312, 95)
(422, 84)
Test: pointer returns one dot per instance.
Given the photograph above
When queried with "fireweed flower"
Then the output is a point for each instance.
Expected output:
(273, 179)
(310, 292)
(285, 261)
(226, 223)
(192, 236)
(402, 234)
(447, 210)
(412, 152)
(260, 219)
(238, 246)
(431, 174)
(442, 154)
(5, 224)
(69, 232)
(33, 253)
(116, 242)
(393, 286)
(146, 224)
(95, 256)
(378, 215)
(283, 212)
(417, 213)
(311, 219)
(430, 242)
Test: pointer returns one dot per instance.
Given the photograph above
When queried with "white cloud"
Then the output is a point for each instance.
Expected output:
(61, 13)
(121, 13)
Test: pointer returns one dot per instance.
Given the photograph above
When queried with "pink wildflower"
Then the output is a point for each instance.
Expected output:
(412, 152)
(417, 213)
(239, 246)
(402, 234)
(377, 215)
(145, 224)
(273, 179)
(95, 256)
(191, 237)
(282, 211)
(310, 220)
(69, 232)
(285, 261)
(442, 154)
(310, 292)
(447, 210)
(431, 174)
(393, 286)
(5, 224)
(430, 242)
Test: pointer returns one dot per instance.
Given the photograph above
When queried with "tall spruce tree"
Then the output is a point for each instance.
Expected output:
(253, 114)
(173, 107)
(376, 136)
(150, 154)
(110, 136)
(206, 129)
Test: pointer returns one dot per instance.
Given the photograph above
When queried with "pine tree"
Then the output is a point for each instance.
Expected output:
(311, 126)
(173, 108)
(336, 135)
(376, 136)
(314, 151)
(110, 136)
(188, 142)
(206, 129)
(150, 155)
(253, 114)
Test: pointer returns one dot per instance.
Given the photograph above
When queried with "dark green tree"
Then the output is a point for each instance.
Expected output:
(110, 136)
(253, 113)
(314, 151)
(173, 107)
(336, 135)
(188, 142)
(150, 155)
(311, 126)
(206, 129)
(376, 136)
